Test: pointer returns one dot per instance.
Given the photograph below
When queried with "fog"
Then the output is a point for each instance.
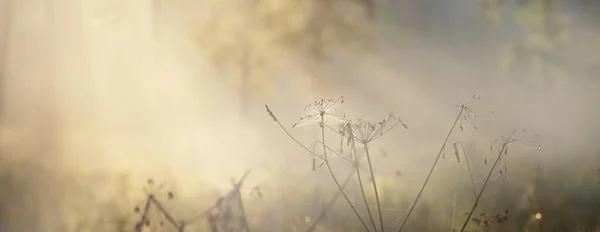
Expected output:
(98, 96)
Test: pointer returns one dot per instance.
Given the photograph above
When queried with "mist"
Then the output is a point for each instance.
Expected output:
(99, 96)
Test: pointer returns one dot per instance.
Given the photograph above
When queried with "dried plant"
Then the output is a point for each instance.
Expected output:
(323, 106)
(321, 112)
(366, 132)
(151, 200)
(500, 150)
(456, 145)
(466, 113)
(226, 215)
(361, 131)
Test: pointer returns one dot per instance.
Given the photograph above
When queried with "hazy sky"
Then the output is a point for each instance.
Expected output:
(100, 85)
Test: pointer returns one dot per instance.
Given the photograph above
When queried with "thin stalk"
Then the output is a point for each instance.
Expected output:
(469, 168)
(243, 211)
(483, 188)
(290, 135)
(471, 176)
(139, 227)
(337, 183)
(374, 185)
(360, 184)
(454, 211)
(462, 109)
(167, 215)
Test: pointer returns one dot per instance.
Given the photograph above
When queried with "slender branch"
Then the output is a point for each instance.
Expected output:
(140, 225)
(462, 109)
(243, 210)
(454, 211)
(335, 179)
(374, 186)
(469, 168)
(360, 184)
(167, 215)
(290, 135)
(484, 185)
(335, 152)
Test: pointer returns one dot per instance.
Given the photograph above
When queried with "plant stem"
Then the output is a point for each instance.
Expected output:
(139, 227)
(374, 185)
(462, 109)
(469, 168)
(454, 211)
(483, 188)
(337, 183)
(360, 183)
(166, 214)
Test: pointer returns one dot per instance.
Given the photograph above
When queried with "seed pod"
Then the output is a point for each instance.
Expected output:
(456, 152)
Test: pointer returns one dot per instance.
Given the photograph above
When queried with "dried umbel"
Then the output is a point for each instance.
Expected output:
(322, 112)
(503, 143)
(502, 150)
(152, 206)
(365, 132)
(362, 131)
(468, 113)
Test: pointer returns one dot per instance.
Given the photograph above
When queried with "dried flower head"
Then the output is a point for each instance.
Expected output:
(468, 113)
(322, 112)
(364, 131)
(504, 142)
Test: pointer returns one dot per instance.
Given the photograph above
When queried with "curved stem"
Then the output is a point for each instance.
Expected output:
(374, 186)
(337, 183)
(462, 109)
(360, 184)
(483, 188)
(292, 137)
(469, 168)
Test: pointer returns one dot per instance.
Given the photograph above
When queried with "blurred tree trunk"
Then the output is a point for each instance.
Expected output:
(27, 93)
(44, 57)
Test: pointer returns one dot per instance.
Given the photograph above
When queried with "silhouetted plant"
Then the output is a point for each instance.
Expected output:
(220, 217)
(363, 131)
(500, 151)
(466, 113)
